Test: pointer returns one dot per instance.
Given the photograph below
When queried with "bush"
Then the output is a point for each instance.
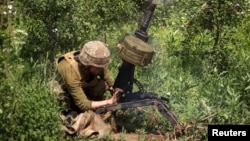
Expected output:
(28, 111)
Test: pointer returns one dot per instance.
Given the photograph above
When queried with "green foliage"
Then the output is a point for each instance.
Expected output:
(203, 70)
(48, 31)
(28, 110)
(205, 83)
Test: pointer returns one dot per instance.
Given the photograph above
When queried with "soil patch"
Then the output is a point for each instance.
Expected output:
(137, 137)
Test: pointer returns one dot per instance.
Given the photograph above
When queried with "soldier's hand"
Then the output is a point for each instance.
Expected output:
(116, 95)
(117, 91)
(113, 99)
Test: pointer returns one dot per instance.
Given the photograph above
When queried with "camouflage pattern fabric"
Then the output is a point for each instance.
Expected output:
(95, 53)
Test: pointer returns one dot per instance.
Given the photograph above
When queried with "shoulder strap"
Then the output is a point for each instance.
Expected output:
(69, 57)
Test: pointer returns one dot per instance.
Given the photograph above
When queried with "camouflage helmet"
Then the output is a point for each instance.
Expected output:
(95, 53)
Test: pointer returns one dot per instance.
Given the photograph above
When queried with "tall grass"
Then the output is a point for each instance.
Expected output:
(29, 110)
(197, 90)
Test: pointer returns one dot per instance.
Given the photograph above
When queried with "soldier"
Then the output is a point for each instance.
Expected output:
(84, 77)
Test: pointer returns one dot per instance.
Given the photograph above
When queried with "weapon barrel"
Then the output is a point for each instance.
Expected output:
(141, 33)
(124, 79)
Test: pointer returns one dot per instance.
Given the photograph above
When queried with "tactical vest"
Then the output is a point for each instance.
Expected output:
(70, 57)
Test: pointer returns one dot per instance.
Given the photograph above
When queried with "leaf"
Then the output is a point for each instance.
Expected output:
(247, 88)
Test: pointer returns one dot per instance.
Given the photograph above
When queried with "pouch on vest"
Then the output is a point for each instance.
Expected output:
(70, 57)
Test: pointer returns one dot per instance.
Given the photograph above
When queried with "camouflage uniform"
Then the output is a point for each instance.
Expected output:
(79, 84)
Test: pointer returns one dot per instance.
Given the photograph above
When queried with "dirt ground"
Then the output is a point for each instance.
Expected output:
(137, 137)
(188, 131)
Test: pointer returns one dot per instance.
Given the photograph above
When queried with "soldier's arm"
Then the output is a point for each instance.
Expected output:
(73, 85)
